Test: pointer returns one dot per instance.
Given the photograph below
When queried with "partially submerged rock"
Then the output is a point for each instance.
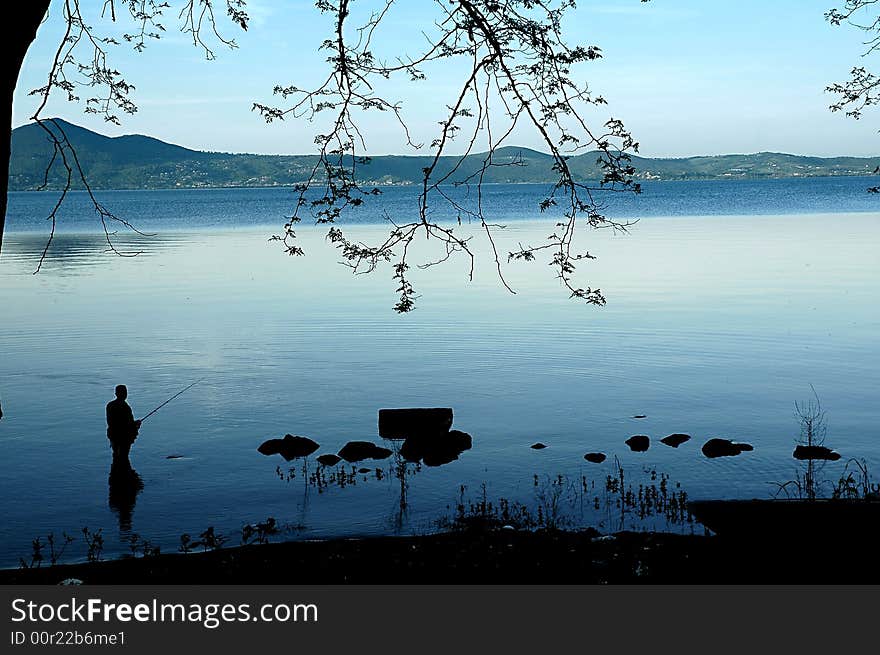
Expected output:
(290, 447)
(638, 443)
(640, 416)
(538, 446)
(815, 452)
(724, 448)
(270, 447)
(357, 451)
(675, 440)
(436, 449)
(329, 459)
(595, 458)
(403, 423)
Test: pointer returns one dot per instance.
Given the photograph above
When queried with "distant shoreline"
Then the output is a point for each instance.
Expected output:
(449, 185)
(143, 162)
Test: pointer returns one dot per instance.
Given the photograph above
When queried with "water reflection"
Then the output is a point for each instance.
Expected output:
(72, 253)
(124, 486)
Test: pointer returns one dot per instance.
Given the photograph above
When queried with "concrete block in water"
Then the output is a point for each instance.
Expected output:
(403, 423)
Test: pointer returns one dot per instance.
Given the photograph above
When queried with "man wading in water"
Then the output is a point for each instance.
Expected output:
(122, 429)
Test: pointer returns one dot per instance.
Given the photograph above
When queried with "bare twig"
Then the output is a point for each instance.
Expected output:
(82, 61)
(518, 72)
(863, 88)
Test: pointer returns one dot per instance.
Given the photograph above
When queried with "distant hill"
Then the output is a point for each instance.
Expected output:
(142, 162)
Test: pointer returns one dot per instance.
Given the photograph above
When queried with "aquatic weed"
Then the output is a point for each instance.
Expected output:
(56, 553)
(259, 533)
(94, 544)
(855, 485)
(37, 546)
(138, 545)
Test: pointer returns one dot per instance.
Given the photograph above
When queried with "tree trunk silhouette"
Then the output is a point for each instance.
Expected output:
(18, 34)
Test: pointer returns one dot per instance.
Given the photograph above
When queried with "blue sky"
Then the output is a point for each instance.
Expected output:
(688, 77)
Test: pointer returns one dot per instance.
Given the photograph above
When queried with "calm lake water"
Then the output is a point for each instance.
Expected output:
(725, 303)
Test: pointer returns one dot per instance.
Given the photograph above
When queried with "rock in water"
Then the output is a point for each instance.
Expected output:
(357, 451)
(329, 459)
(290, 447)
(460, 440)
(724, 448)
(436, 450)
(293, 447)
(538, 446)
(595, 458)
(815, 452)
(675, 440)
(270, 447)
(447, 448)
(638, 443)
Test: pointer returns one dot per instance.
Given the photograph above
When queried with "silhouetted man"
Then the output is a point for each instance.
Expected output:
(122, 429)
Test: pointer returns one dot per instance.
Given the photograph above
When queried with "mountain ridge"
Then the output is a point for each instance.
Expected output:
(137, 161)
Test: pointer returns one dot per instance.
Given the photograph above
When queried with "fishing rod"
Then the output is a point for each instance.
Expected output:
(170, 399)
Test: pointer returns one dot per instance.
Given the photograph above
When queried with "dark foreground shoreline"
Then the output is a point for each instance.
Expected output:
(493, 557)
